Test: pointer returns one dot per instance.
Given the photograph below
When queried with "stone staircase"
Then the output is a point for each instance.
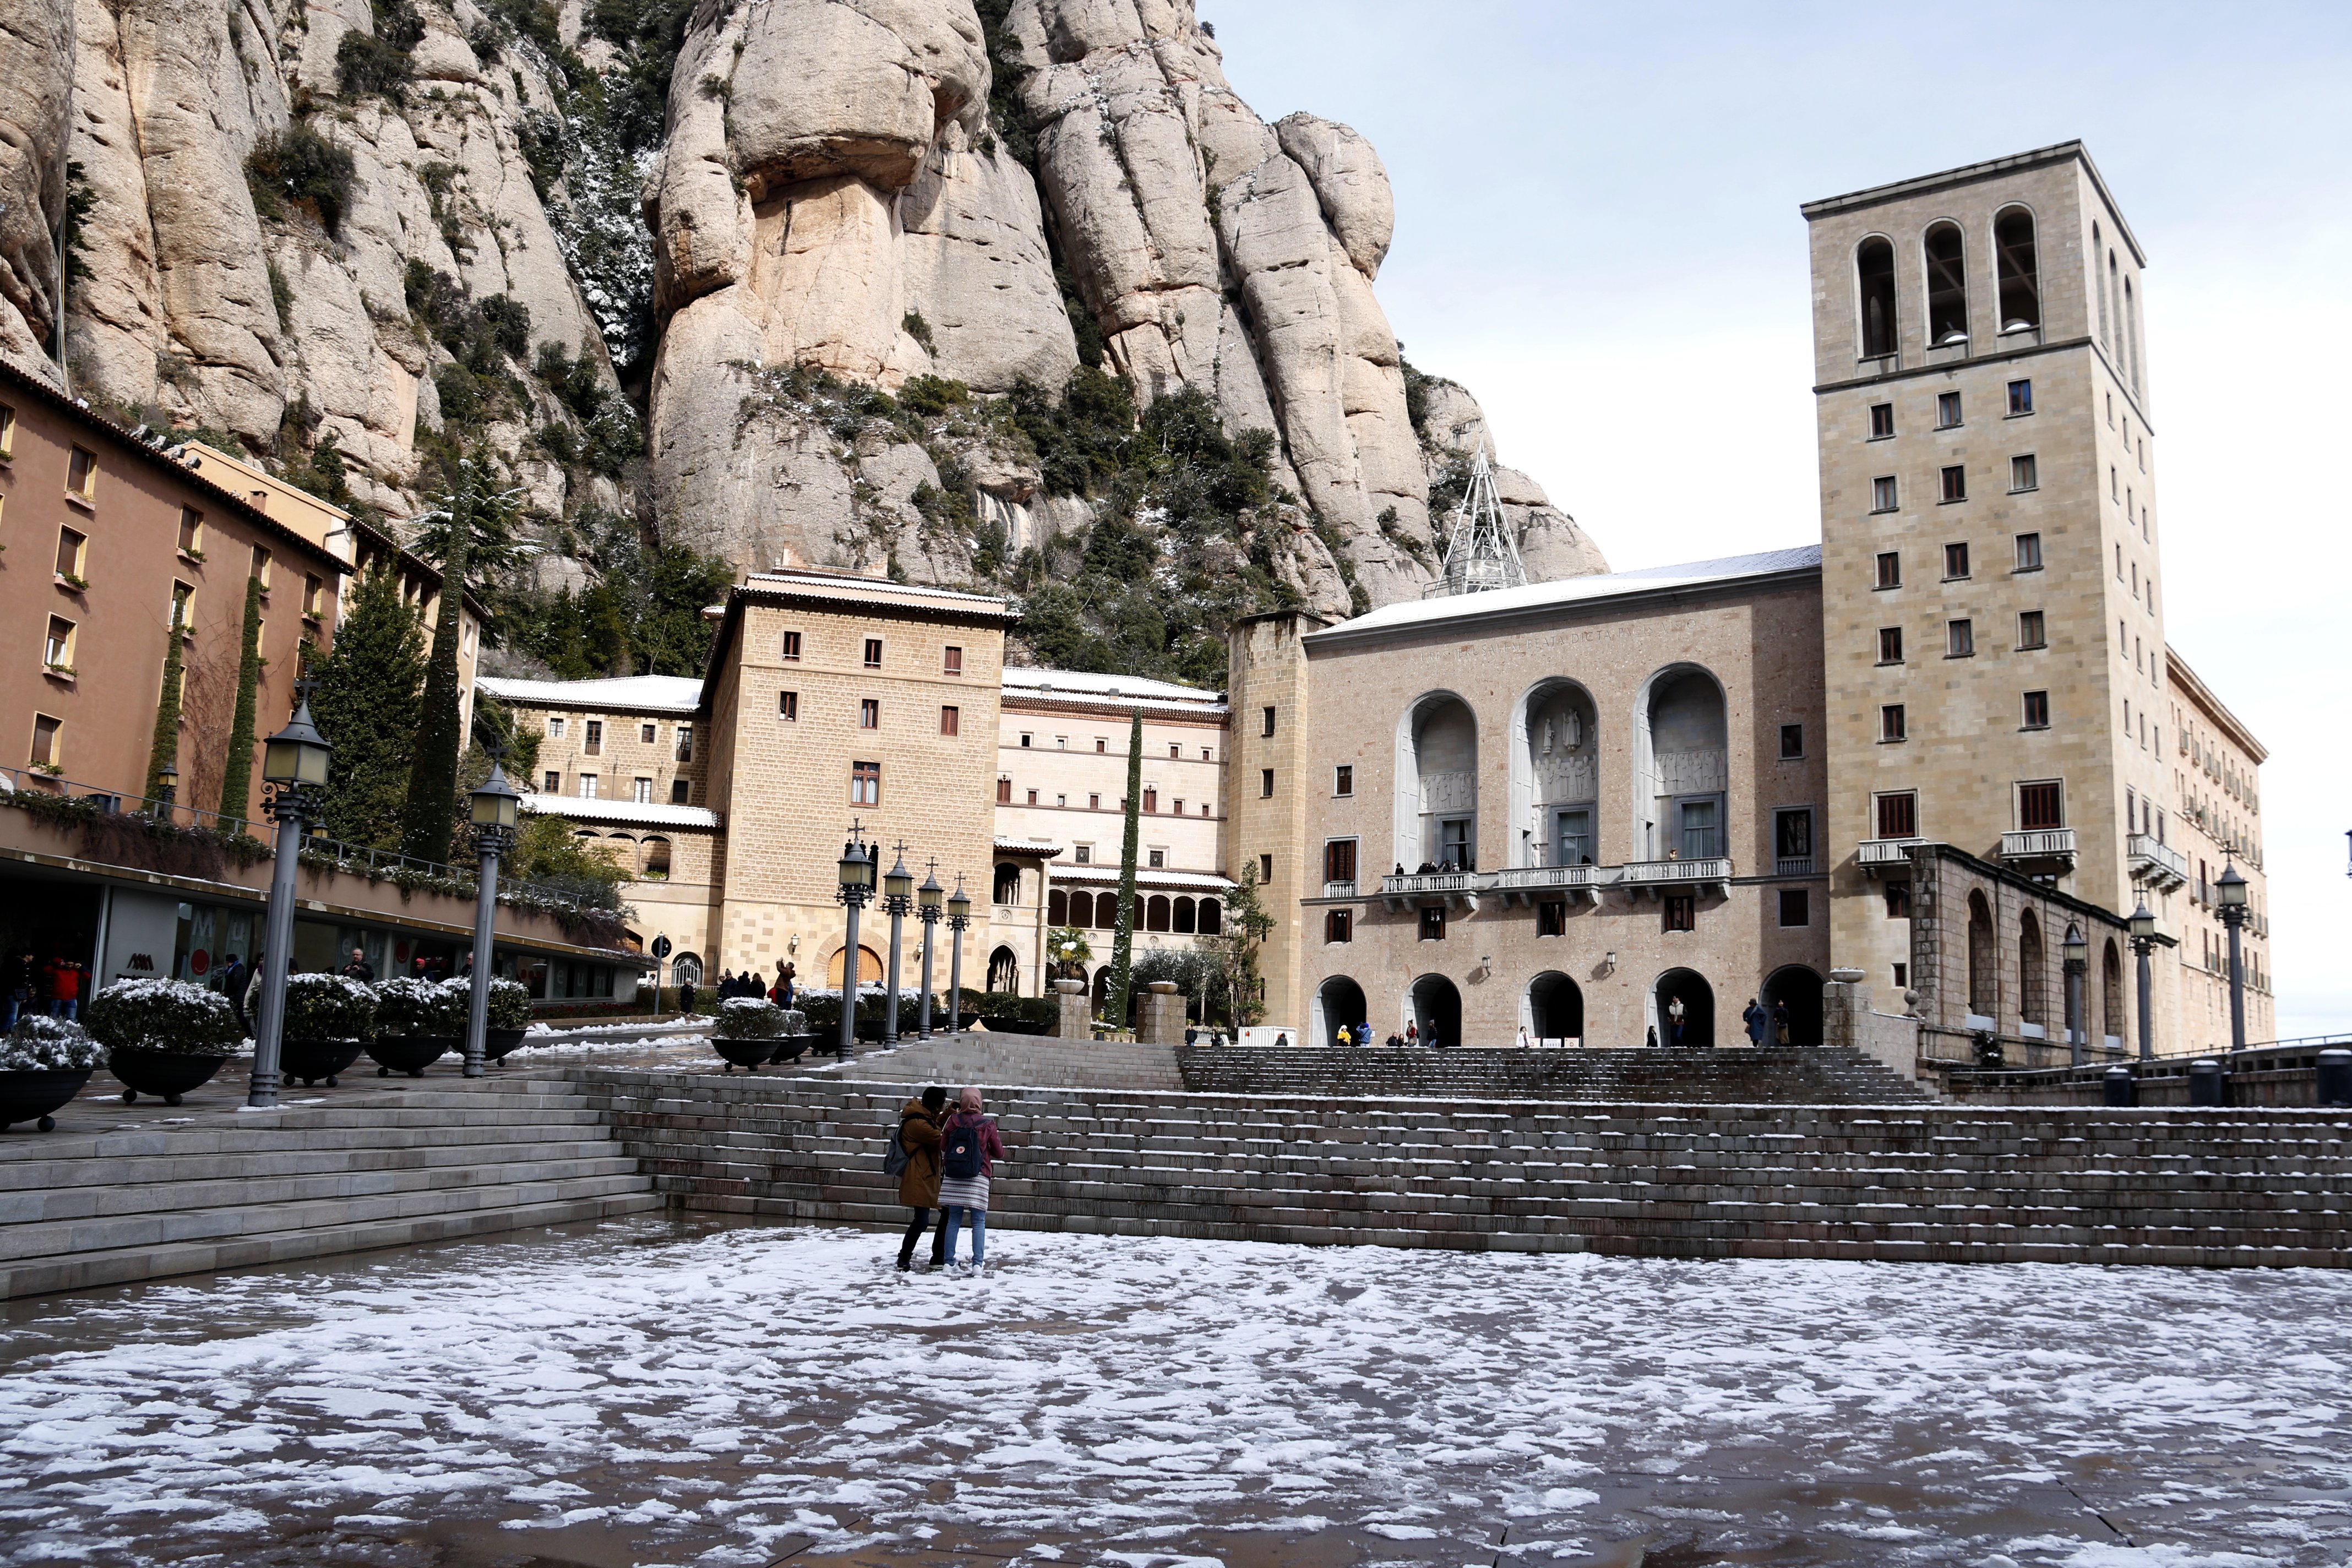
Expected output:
(1919, 1181)
(1781, 1075)
(953, 1061)
(230, 1190)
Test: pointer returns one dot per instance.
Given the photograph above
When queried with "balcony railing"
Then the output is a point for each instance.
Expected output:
(1792, 866)
(1875, 855)
(1713, 870)
(1523, 884)
(2158, 865)
(1339, 888)
(1461, 887)
(2038, 844)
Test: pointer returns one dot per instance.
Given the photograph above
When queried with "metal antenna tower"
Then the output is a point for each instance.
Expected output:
(1479, 554)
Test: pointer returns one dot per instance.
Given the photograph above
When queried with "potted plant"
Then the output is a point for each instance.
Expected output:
(43, 1065)
(510, 1018)
(746, 1031)
(796, 1037)
(416, 1024)
(328, 1019)
(163, 1037)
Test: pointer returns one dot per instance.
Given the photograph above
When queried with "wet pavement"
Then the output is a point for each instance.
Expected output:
(664, 1392)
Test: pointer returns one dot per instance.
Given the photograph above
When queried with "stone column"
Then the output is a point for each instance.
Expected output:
(1162, 1019)
(1845, 1010)
(1077, 1019)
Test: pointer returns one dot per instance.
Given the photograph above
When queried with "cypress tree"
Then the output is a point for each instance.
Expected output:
(367, 705)
(163, 751)
(1122, 952)
(469, 532)
(237, 777)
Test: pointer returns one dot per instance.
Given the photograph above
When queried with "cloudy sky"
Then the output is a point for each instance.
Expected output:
(1596, 232)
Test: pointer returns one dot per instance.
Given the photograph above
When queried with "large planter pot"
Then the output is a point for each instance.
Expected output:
(166, 1074)
(870, 1029)
(1012, 1025)
(313, 1061)
(496, 1044)
(31, 1096)
(745, 1054)
(791, 1047)
(410, 1054)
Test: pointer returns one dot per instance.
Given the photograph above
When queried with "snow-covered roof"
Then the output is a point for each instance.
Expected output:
(1044, 847)
(1575, 590)
(1039, 685)
(631, 693)
(640, 814)
(875, 590)
(1144, 877)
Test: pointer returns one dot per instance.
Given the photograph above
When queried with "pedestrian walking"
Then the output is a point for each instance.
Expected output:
(1675, 1015)
(229, 980)
(17, 980)
(969, 1147)
(1412, 1034)
(1781, 1022)
(1753, 1018)
(685, 996)
(1523, 1036)
(359, 968)
(919, 1185)
(251, 1006)
(65, 988)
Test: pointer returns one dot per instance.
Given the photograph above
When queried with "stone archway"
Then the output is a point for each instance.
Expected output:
(1338, 1004)
(1697, 998)
(1799, 989)
(1555, 1007)
(1436, 1010)
(869, 967)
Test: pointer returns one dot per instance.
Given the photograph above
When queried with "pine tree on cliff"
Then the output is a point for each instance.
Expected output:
(163, 751)
(1122, 951)
(367, 704)
(236, 776)
(468, 534)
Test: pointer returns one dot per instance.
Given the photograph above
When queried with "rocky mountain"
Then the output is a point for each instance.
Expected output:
(843, 281)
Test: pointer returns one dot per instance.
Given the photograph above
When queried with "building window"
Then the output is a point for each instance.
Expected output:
(1338, 925)
(1551, 918)
(2041, 806)
(312, 600)
(1792, 742)
(2029, 552)
(594, 742)
(1264, 868)
(680, 792)
(2031, 633)
(1796, 906)
(1266, 721)
(952, 662)
(950, 721)
(1207, 755)
(1338, 859)
(644, 792)
(1890, 645)
(1004, 789)
(1157, 859)
(1032, 797)
(2037, 709)
(7, 432)
(872, 653)
(1882, 493)
(1898, 901)
(2023, 474)
(1061, 800)
(686, 743)
(791, 648)
(258, 569)
(590, 786)
(1101, 744)
(2021, 399)
(1890, 569)
(69, 553)
(2016, 273)
(1343, 779)
(1433, 922)
(183, 607)
(1094, 803)
(56, 651)
(48, 749)
(1178, 806)
(869, 713)
(1882, 421)
(1890, 723)
(555, 727)
(645, 734)
(1873, 266)
(1681, 911)
(1793, 842)
(1024, 736)
(1898, 813)
(1948, 410)
(192, 532)
(1955, 562)
(1150, 799)
(1947, 286)
(1084, 855)
(81, 474)
(866, 783)
(1959, 639)
(1061, 742)
(1266, 783)
(1175, 752)
(1902, 972)
(1955, 481)
(551, 783)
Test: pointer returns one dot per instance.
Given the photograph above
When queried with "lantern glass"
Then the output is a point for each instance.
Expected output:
(2076, 947)
(958, 906)
(857, 870)
(493, 808)
(2143, 924)
(930, 893)
(2233, 888)
(899, 882)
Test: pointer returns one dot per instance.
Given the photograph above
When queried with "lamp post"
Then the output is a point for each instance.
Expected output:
(294, 764)
(2232, 888)
(857, 886)
(898, 898)
(494, 827)
(926, 907)
(167, 787)
(2076, 952)
(2143, 941)
(958, 917)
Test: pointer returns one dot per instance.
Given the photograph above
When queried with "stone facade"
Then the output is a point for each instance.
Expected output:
(2217, 808)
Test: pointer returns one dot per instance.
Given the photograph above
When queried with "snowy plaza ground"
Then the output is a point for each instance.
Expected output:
(655, 1392)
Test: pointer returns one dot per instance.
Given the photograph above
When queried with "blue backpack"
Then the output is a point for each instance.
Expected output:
(961, 1152)
(895, 1157)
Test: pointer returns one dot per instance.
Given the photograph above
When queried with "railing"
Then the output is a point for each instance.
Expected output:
(1792, 866)
(2155, 863)
(1524, 877)
(568, 893)
(1672, 873)
(1339, 890)
(1886, 851)
(57, 786)
(1429, 882)
(2038, 844)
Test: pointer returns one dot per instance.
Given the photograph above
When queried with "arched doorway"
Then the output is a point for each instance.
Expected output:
(869, 967)
(1004, 970)
(1437, 1010)
(1699, 1007)
(1555, 1007)
(1980, 957)
(1338, 1004)
(1798, 989)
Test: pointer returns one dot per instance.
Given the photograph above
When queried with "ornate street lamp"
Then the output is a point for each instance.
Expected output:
(857, 886)
(494, 807)
(294, 764)
(2144, 941)
(167, 787)
(2232, 888)
(958, 917)
(927, 907)
(897, 898)
(2076, 952)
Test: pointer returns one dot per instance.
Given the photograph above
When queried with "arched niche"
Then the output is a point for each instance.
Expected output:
(1681, 765)
(1436, 800)
(1875, 296)
(1798, 989)
(2016, 269)
(1555, 775)
(1555, 1007)
(1435, 1009)
(1945, 252)
(1338, 1004)
(1004, 970)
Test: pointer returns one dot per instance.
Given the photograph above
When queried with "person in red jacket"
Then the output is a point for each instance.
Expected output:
(65, 988)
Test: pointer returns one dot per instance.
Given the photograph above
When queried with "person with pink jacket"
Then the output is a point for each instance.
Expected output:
(969, 1147)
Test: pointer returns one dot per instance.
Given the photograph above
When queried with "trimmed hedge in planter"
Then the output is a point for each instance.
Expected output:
(163, 1038)
(328, 1021)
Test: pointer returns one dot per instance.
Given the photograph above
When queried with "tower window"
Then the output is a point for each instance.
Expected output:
(1792, 742)
(2024, 474)
(1955, 561)
(2029, 552)
(2030, 631)
(1266, 783)
(2041, 807)
(1891, 725)
(866, 783)
(2021, 399)
(950, 721)
(1947, 286)
(1890, 645)
(1874, 281)
(2037, 711)
(792, 649)
(787, 707)
(869, 713)
(1959, 639)
(1266, 721)
(2016, 270)
(872, 653)
(952, 662)
(1955, 482)
(1890, 569)
(1882, 421)
(1898, 815)
(1948, 410)
(1882, 493)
